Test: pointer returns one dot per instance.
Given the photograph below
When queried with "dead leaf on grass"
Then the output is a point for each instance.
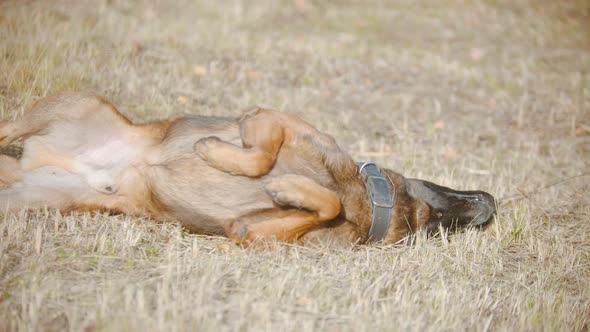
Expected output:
(252, 75)
(301, 5)
(182, 99)
(440, 124)
(582, 130)
(199, 70)
(452, 154)
(224, 248)
(477, 53)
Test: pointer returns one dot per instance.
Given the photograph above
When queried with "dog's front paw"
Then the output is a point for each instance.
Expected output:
(204, 146)
(283, 191)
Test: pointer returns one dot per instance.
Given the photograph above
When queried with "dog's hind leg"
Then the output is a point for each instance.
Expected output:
(34, 120)
(313, 205)
(63, 107)
(9, 131)
(16, 198)
(55, 188)
(50, 187)
(10, 170)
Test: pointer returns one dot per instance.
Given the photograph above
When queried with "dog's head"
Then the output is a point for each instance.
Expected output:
(452, 209)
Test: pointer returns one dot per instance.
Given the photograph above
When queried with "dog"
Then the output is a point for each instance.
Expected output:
(266, 175)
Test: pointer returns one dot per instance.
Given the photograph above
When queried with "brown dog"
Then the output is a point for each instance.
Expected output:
(268, 175)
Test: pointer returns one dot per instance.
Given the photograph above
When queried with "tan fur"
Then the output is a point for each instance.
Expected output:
(267, 175)
(10, 170)
(315, 204)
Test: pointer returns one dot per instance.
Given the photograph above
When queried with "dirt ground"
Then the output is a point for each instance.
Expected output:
(491, 95)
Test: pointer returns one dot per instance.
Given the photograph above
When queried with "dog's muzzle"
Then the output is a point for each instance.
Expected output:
(453, 208)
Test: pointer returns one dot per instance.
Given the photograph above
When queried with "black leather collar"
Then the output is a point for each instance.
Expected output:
(380, 197)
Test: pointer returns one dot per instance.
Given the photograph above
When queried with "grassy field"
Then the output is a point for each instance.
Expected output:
(493, 95)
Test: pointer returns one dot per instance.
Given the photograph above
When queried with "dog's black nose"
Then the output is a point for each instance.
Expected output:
(485, 208)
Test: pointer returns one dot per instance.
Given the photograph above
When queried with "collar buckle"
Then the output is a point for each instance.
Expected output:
(379, 192)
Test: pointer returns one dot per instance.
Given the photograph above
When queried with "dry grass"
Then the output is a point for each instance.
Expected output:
(471, 94)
